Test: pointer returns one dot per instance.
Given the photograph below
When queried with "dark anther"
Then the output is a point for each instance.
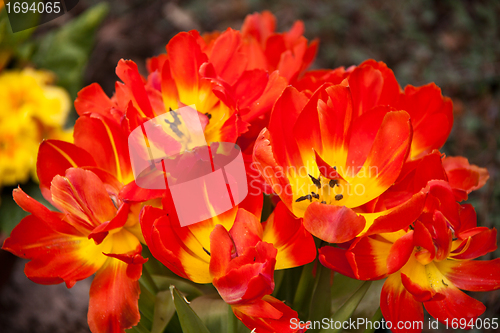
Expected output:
(454, 238)
(411, 227)
(305, 197)
(444, 283)
(333, 182)
(209, 116)
(335, 168)
(339, 197)
(323, 202)
(206, 251)
(176, 119)
(316, 182)
(254, 258)
(314, 195)
(170, 109)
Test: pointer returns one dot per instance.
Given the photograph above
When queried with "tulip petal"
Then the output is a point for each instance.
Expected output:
(384, 161)
(456, 304)
(108, 144)
(114, 294)
(267, 315)
(92, 99)
(333, 224)
(295, 245)
(54, 158)
(55, 256)
(464, 176)
(368, 257)
(472, 275)
(284, 115)
(83, 196)
(335, 258)
(399, 306)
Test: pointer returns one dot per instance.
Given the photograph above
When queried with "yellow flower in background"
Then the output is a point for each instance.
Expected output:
(31, 109)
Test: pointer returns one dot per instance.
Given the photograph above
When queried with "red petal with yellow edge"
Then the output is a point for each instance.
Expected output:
(464, 176)
(269, 169)
(324, 123)
(422, 281)
(108, 144)
(295, 245)
(168, 87)
(475, 275)
(114, 294)
(127, 71)
(363, 133)
(283, 118)
(372, 83)
(431, 114)
(184, 250)
(387, 155)
(170, 249)
(368, 258)
(399, 306)
(421, 293)
(54, 158)
(92, 99)
(82, 195)
(400, 252)
(53, 219)
(268, 315)
(398, 217)
(333, 224)
(456, 304)
(185, 58)
(55, 256)
(335, 258)
(481, 242)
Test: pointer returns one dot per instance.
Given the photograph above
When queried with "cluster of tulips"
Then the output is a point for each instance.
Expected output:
(348, 161)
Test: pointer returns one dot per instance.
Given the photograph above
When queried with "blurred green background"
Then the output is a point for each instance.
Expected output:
(454, 43)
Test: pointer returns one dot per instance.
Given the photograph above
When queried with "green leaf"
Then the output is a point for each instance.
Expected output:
(321, 300)
(190, 322)
(185, 286)
(346, 310)
(164, 311)
(376, 317)
(66, 50)
(216, 316)
(304, 291)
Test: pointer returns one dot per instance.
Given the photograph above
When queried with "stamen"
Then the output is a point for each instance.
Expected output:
(314, 195)
(339, 197)
(323, 202)
(333, 182)
(206, 251)
(209, 116)
(316, 182)
(305, 197)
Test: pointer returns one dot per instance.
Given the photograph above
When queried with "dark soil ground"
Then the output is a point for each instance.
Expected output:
(454, 43)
